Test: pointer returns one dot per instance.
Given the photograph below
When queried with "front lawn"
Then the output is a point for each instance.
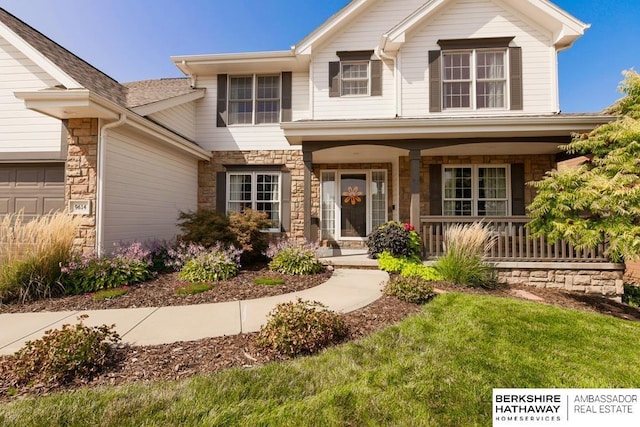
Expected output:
(437, 368)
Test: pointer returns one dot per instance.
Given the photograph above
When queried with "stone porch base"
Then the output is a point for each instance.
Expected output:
(596, 278)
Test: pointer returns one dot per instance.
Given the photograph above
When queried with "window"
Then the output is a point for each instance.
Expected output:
(475, 190)
(259, 191)
(474, 79)
(254, 99)
(354, 78)
(356, 74)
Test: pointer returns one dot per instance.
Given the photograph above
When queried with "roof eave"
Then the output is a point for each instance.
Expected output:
(441, 128)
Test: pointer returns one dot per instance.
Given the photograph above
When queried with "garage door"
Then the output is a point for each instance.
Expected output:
(36, 188)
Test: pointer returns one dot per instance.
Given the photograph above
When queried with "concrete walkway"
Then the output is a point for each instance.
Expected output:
(345, 291)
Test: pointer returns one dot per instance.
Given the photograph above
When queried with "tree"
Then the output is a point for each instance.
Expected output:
(599, 201)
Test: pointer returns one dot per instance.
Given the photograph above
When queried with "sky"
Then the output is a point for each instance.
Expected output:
(133, 39)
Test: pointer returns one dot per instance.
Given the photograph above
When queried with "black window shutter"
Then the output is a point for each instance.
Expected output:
(221, 116)
(376, 78)
(435, 189)
(334, 79)
(435, 81)
(517, 189)
(286, 201)
(221, 192)
(515, 77)
(287, 87)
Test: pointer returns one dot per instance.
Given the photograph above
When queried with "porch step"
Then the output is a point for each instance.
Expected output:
(349, 258)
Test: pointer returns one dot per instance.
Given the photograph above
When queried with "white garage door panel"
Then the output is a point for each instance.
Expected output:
(35, 188)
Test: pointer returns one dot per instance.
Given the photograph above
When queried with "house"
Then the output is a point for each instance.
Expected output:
(122, 156)
(426, 111)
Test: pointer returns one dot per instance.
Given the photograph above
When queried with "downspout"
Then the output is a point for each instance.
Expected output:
(102, 150)
(382, 54)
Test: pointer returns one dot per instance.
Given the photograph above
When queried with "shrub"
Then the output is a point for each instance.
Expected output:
(31, 253)
(127, 265)
(462, 262)
(216, 264)
(406, 267)
(247, 228)
(63, 355)
(159, 255)
(420, 270)
(397, 239)
(288, 257)
(110, 293)
(183, 252)
(413, 289)
(631, 295)
(390, 263)
(301, 327)
(193, 288)
(206, 227)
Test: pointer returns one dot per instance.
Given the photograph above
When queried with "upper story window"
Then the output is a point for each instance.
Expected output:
(254, 99)
(474, 79)
(356, 74)
(475, 74)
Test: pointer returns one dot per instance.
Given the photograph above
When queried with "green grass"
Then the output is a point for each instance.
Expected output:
(109, 293)
(268, 281)
(193, 288)
(437, 368)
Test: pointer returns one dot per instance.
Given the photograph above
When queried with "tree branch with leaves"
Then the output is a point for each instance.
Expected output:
(599, 201)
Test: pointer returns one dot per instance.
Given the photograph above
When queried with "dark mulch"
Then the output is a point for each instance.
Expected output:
(184, 359)
(161, 292)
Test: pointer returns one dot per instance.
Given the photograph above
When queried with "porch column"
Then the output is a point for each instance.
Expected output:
(414, 187)
(307, 158)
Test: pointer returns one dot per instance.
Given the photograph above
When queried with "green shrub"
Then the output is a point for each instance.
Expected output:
(406, 267)
(268, 281)
(248, 228)
(64, 355)
(217, 264)
(301, 327)
(127, 265)
(462, 263)
(288, 257)
(631, 295)
(420, 270)
(110, 293)
(397, 239)
(193, 288)
(412, 289)
(31, 253)
(206, 227)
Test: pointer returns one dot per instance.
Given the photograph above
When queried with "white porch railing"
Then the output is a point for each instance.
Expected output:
(513, 241)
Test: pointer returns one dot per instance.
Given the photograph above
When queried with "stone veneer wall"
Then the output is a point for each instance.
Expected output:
(535, 167)
(596, 281)
(81, 175)
(315, 191)
(290, 159)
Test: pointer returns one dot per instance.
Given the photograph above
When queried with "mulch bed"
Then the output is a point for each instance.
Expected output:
(184, 359)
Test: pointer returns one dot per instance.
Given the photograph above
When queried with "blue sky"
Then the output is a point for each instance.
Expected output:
(133, 39)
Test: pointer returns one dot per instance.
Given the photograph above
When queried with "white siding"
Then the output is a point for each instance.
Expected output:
(300, 97)
(476, 19)
(181, 119)
(146, 185)
(364, 34)
(22, 130)
(210, 137)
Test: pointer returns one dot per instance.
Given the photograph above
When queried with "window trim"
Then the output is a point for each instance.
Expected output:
(254, 99)
(254, 192)
(474, 80)
(475, 188)
(343, 79)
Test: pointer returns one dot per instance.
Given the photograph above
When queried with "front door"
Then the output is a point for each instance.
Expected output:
(353, 205)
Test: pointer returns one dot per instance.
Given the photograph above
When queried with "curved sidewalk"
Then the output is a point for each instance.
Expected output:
(345, 291)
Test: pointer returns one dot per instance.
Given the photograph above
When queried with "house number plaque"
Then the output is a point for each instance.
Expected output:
(80, 207)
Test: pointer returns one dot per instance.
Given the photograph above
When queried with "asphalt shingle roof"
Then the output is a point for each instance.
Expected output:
(145, 92)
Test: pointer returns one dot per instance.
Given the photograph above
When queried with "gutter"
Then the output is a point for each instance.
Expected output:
(102, 150)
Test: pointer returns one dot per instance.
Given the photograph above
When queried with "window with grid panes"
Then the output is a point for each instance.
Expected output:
(259, 191)
(254, 99)
(475, 191)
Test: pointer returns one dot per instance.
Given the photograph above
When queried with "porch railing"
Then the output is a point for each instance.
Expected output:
(514, 242)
